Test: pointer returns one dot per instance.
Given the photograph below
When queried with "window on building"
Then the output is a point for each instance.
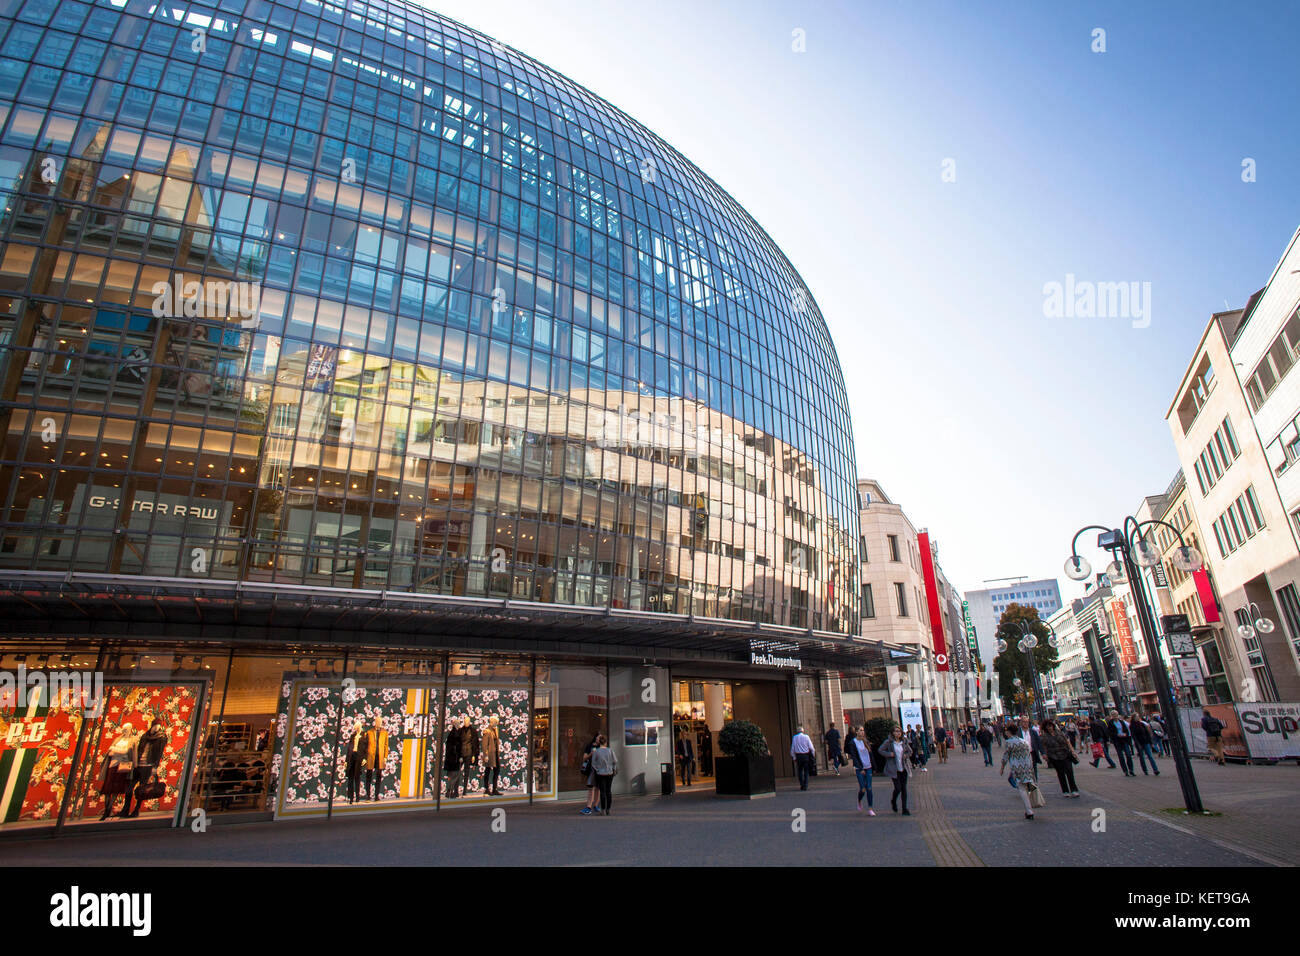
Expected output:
(900, 593)
(868, 602)
(893, 548)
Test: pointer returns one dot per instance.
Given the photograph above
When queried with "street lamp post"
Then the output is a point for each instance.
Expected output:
(1029, 641)
(1136, 549)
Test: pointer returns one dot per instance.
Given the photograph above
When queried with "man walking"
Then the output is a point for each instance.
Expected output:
(801, 749)
(1142, 740)
(941, 743)
(833, 753)
(984, 737)
(1100, 744)
(1120, 735)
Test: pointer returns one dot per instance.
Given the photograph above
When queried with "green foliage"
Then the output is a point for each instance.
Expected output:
(742, 738)
(1013, 662)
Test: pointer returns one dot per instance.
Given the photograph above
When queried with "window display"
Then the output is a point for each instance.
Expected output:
(500, 714)
(139, 754)
(37, 738)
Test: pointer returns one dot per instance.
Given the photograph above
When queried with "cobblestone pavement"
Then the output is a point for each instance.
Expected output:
(963, 815)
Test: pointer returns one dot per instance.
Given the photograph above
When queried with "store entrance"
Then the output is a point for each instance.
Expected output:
(700, 709)
(703, 705)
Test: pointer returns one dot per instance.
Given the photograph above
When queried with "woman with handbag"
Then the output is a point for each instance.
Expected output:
(897, 751)
(589, 777)
(1016, 753)
(150, 748)
(1060, 756)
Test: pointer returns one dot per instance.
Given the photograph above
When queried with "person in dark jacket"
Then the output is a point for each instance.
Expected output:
(1060, 756)
(1142, 742)
(1030, 733)
(858, 747)
(1117, 729)
(984, 737)
(451, 752)
(151, 748)
(685, 758)
(1097, 728)
(834, 756)
(1213, 728)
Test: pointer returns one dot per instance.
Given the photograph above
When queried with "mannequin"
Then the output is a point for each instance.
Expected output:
(150, 749)
(492, 756)
(451, 762)
(356, 759)
(376, 757)
(115, 774)
(468, 751)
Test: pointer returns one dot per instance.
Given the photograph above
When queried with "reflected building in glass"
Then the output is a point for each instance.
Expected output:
(340, 329)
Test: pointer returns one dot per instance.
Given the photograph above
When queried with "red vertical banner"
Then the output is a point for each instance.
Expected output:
(1205, 591)
(932, 601)
(1123, 633)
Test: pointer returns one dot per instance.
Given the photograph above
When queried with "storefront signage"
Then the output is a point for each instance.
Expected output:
(972, 639)
(1188, 670)
(1123, 636)
(1272, 731)
(774, 654)
(909, 713)
(1158, 569)
(940, 642)
(146, 504)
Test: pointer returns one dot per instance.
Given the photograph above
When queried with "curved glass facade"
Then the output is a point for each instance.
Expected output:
(347, 295)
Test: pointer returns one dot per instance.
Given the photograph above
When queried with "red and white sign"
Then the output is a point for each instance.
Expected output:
(932, 602)
(1123, 635)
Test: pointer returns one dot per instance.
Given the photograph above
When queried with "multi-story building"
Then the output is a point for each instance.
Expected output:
(1067, 682)
(361, 372)
(987, 605)
(1250, 543)
(1264, 351)
(1215, 650)
(894, 600)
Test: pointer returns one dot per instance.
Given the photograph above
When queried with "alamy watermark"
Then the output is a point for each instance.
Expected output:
(50, 688)
(208, 299)
(1083, 299)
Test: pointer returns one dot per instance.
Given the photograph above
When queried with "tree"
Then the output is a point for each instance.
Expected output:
(1013, 662)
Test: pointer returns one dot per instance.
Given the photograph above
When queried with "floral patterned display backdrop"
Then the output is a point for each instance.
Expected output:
(409, 715)
(310, 753)
(138, 704)
(509, 703)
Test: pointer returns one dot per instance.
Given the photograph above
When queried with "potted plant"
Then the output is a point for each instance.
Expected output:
(746, 769)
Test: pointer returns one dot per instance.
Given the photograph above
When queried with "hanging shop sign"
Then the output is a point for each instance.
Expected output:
(778, 654)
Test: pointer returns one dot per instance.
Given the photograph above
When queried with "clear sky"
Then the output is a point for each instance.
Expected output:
(1000, 429)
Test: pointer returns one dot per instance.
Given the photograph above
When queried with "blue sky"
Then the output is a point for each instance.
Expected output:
(1001, 430)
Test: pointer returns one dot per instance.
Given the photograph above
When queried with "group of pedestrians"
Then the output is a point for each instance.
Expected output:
(1131, 736)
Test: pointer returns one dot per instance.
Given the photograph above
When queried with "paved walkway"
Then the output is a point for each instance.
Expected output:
(963, 815)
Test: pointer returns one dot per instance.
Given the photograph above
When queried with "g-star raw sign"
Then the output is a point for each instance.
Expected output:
(774, 654)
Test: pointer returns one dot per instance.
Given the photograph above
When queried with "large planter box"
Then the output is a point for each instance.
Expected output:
(745, 776)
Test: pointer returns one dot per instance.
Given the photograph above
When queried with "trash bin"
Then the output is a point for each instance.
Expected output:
(667, 782)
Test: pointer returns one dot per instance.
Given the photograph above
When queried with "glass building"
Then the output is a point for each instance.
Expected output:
(344, 344)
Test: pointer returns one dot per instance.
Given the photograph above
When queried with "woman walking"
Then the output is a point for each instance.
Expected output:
(897, 752)
(605, 765)
(589, 777)
(859, 750)
(1060, 756)
(1016, 753)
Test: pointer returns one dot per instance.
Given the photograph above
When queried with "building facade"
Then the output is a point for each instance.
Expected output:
(987, 605)
(1250, 546)
(373, 396)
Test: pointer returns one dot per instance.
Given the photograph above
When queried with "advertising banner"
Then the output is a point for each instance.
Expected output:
(941, 661)
(1271, 731)
(909, 714)
(1123, 635)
